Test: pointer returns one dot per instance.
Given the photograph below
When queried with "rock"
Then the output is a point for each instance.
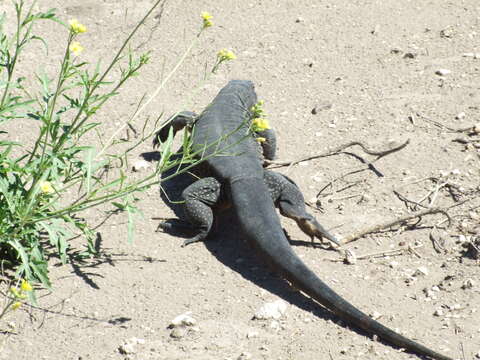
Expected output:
(179, 332)
(252, 334)
(460, 116)
(442, 72)
(421, 271)
(468, 284)
(393, 264)
(140, 165)
(448, 32)
(127, 349)
(476, 129)
(272, 310)
(299, 19)
(375, 315)
(128, 346)
(275, 325)
(244, 356)
(183, 320)
(438, 312)
(321, 107)
(350, 257)
(478, 355)
(409, 55)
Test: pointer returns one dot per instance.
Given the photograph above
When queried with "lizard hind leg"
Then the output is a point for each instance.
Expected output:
(200, 197)
(291, 203)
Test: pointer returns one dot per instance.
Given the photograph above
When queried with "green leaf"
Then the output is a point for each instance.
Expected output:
(89, 155)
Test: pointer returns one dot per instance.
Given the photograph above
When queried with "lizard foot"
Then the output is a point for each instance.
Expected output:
(311, 227)
(192, 240)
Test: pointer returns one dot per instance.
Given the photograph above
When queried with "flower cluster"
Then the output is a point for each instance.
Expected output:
(260, 124)
(46, 187)
(225, 55)
(76, 27)
(207, 19)
(76, 48)
(20, 294)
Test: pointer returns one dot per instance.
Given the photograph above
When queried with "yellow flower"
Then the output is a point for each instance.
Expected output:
(26, 286)
(76, 27)
(260, 139)
(46, 187)
(225, 55)
(16, 293)
(207, 19)
(16, 305)
(260, 124)
(76, 48)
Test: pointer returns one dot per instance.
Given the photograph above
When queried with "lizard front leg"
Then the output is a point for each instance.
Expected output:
(288, 198)
(200, 197)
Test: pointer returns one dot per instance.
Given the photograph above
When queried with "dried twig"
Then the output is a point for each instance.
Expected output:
(337, 150)
(390, 223)
(393, 252)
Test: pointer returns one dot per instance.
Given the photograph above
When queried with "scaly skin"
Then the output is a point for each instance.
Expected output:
(242, 176)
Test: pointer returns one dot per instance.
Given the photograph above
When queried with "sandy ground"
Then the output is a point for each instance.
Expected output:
(369, 67)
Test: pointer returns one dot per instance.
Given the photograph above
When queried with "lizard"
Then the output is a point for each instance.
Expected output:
(239, 179)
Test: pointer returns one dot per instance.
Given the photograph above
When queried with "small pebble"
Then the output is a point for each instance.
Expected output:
(179, 332)
(442, 72)
(393, 264)
(409, 55)
(468, 284)
(126, 349)
(245, 356)
(140, 165)
(421, 271)
(438, 312)
(476, 128)
(460, 116)
(271, 310)
(252, 334)
(183, 320)
(375, 315)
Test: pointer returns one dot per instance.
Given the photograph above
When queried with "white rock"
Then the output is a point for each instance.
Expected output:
(455, 172)
(468, 284)
(438, 312)
(375, 315)
(478, 355)
(275, 325)
(476, 128)
(179, 332)
(127, 348)
(442, 72)
(183, 320)
(460, 116)
(252, 334)
(140, 165)
(272, 310)
(350, 257)
(421, 271)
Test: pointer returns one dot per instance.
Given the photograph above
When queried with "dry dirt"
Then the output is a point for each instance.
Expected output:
(375, 63)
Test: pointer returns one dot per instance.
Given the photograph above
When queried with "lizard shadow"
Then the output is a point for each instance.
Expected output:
(227, 243)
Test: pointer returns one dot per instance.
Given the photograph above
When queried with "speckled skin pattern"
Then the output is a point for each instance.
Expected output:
(240, 180)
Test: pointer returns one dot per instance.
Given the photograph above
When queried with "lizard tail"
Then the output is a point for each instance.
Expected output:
(262, 227)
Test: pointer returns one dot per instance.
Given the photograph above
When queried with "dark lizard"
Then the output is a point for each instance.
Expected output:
(240, 180)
